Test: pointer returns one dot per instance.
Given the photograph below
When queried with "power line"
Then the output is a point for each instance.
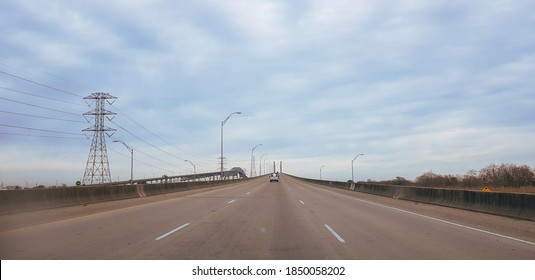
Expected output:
(43, 136)
(45, 97)
(157, 159)
(150, 144)
(43, 85)
(157, 136)
(41, 117)
(65, 112)
(151, 156)
(142, 162)
(165, 152)
(10, 62)
(37, 106)
(38, 129)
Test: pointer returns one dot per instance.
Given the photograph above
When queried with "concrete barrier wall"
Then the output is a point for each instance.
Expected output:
(521, 206)
(515, 205)
(36, 199)
(13, 201)
(156, 189)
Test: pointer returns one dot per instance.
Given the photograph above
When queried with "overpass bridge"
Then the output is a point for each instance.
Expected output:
(235, 173)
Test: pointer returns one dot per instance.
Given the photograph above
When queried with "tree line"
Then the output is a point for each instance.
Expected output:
(503, 175)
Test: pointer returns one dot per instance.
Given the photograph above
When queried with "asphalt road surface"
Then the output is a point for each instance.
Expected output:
(256, 219)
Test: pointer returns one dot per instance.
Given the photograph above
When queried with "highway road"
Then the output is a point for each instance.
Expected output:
(255, 219)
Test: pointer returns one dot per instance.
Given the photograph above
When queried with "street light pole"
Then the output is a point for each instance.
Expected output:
(193, 168)
(265, 165)
(252, 159)
(320, 170)
(352, 174)
(222, 124)
(261, 163)
(131, 160)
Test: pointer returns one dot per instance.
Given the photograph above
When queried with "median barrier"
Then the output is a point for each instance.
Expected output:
(516, 205)
(13, 201)
(38, 199)
(163, 188)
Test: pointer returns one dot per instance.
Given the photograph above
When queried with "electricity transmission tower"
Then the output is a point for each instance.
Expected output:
(97, 169)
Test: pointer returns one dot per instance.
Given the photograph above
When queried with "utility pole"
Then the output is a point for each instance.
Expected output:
(222, 124)
(260, 163)
(131, 150)
(265, 165)
(194, 171)
(97, 169)
(253, 166)
(352, 161)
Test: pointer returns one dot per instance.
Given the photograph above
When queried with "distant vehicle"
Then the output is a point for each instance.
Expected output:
(274, 177)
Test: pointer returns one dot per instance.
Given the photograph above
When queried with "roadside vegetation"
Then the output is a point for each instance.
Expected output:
(503, 177)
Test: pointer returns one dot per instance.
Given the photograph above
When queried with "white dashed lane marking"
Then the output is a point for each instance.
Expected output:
(335, 234)
(171, 232)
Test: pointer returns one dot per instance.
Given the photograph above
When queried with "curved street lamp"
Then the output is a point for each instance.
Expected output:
(352, 174)
(222, 124)
(265, 165)
(261, 163)
(252, 159)
(131, 160)
(193, 167)
(320, 170)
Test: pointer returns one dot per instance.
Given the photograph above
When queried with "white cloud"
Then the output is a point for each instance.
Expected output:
(414, 85)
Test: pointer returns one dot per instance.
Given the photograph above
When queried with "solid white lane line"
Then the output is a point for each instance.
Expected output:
(432, 218)
(302, 202)
(446, 222)
(231, 201)
(335, 234)
(171, 232)
(435, 219)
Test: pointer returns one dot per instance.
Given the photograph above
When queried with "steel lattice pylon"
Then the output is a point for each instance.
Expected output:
(97, 169)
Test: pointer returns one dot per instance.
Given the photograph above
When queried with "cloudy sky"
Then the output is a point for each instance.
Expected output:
(417, 85)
